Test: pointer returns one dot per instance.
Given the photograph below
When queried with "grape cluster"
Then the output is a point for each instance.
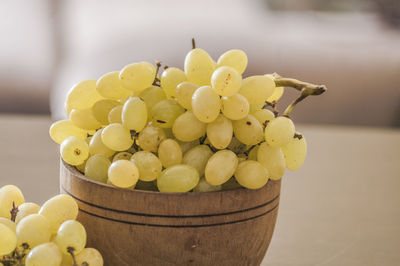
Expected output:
(203, 129)
(46, 235)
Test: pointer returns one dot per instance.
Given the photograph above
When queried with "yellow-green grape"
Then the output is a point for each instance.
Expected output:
(96, 145)
(150, 137)
(116, 137)
(184, 92)
(67, 108)
(71, 234)
(264, 116)
(206, 104)
(251, 174)
(74, 150)
(97, 167)
(165, 112)
(203, 186)
(148, 164)
(26, 209)
(123, 174)
(83, 95)
(170, 153)
(149, 186)
(235, 107)
(220, 167)
(151, 96)
(66, 259)
(115, 115)
(185, 146)
(272, 158)
(102, 108)
(84, 119)
(220, 132)
(255, 107)
(134, 114)
(122, 156)
(279, 131)
(276, 95)
(91, 256)
(109, 86)
(8, 195)
(188, 128)
(226, 81)
(236, 146)
(10, 224)
(248, 130)
(137, 76)
(63, 129)
(170, 78)
(295, 153)
(198, 157)
(178, 178)
(34, 230)
(47, 254)
(257, 89)
(231, 184)
(59, 209)
(8, 240)
(234, 58)
(199, 67)
(253, 153)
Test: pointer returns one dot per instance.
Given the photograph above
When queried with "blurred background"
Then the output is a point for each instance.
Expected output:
(352, 46)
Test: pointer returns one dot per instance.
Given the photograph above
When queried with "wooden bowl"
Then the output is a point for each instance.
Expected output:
(134, 227)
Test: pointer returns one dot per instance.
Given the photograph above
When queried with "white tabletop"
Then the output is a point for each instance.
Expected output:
(341, 208)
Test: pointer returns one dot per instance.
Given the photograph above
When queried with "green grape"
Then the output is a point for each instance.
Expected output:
(122, 156)
(63, 129)
(253, 153)
(151, 96)
(149, 186)
(279, 131)
(251, 174)
(199, 67)
(198, 157)
(10, 224)
(185, 146)
(219, 132)
(203, 186)
(256, 107)
(96, 145)
(34, 230)
(137, 76)
(235, 107)
(109, 86)
(169, 153)
(206, 104)
(47, 254)
(116, 137)
(97, 167)
(231, 184)
(8, 195)
(91, 256)
(59, 209)
(272, 158)
(257, 89)
(84, 119)
(295, 153)
(165, 112)
(123, 174)
(226, 81)
(170, 78)
(234, 58)
(178, 178)
(83, 95)
(115, 115)
(102, 108)
(236, 146)
(220, 167)
(276, 95)
(248, 130)
(71, 234)
(148, 164)
(134, 114)
(264, 116)
(74, 150)
(8, 240)
(184, 93)
(26, 209)
(150, 137)
(188, 128)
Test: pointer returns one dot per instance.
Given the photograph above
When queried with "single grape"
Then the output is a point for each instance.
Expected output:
(234, 58)
(26, 209)
(134, 114)
(122, 156)
(279, 131)
(74, 150)
(220, 132)
(102, 108)
(63, 129)
(199, 67)
(226, 81)
(178, 178)
(96, 145)
(150, 137)
(91, 256)
(148, 164)
(170, 78)
(235, 107)
(203, 186)
(170, 153)
(84, 119)
(8, 240)
(71, 234)
(198, 157)
(34, 230)
(188, 128)
(251, 174)
(97, 167)
(83, 95)
(257, 89)
(276, 95)
(116, 137)
(295, 153)
(248, 130)
(137, 76)
(185, 146)
(220, 167)
(165, 112)
(272, 159)
(123, 174)
(184, 92)
(9, 194)
(151, 96)
(206, 104)
(10, 224)
(47, 254)
(115, 115)
(264, 116)
(109, 86)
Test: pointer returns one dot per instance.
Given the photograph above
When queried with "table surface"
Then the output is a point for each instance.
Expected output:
(341, 208)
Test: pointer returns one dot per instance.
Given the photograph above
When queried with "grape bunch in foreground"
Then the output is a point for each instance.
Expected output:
(204, 128)
(46, 235)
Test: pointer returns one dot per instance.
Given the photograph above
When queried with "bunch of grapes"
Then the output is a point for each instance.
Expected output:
(42, 236)
(202, 129)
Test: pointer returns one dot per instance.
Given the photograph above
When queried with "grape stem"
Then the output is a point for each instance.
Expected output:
(274, 105)
(71, 250)
(157, 81)
(193, 44)
(14, 212)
